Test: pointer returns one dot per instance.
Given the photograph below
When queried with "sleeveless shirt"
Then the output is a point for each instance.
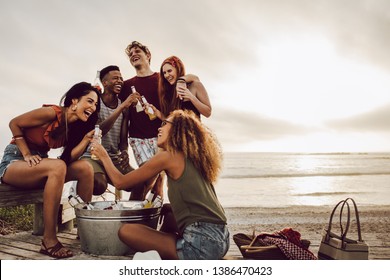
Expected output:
(111, 139)
(38, 137)
(193, 199)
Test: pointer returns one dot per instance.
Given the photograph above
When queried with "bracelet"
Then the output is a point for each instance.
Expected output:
(17, 137)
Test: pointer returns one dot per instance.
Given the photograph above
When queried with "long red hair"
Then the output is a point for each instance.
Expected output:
(167, 92)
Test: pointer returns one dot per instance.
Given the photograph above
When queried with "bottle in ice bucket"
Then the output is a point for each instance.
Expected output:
(157, 202)
(97, 83)
(148, 202)
(97, 138)
(149, 110)
(152, 201)
(138, 106)
(77, 202)
(114, 206)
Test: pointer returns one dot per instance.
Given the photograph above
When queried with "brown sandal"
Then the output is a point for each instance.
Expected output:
(54, 251)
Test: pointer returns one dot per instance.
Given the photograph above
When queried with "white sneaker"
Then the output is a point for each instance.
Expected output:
(148, 255)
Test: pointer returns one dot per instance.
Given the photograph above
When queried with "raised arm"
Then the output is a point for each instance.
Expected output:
(107, 124)
(189, 78)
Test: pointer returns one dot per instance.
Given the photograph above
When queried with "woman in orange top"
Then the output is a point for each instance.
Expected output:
(26, 165)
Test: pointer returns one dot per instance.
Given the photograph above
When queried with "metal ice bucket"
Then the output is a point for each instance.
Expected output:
(98, 228)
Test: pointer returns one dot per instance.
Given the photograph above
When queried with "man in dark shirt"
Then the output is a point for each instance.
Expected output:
(142, 130)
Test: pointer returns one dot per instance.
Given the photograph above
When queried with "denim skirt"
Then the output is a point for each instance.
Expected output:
(11, 154)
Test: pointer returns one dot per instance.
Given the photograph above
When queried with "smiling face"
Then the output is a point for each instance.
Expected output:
(113, 82)
(86, 105)
(138, 57)
(170, 73)
(163, 132)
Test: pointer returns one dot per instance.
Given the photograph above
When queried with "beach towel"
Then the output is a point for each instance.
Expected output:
(284, 244)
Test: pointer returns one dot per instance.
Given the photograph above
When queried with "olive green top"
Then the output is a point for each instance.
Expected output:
(193, 199)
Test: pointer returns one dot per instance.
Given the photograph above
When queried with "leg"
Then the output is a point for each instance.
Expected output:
(100, 177)
(82, 172)
(100, 183)
(137, 193)
(51, 173)
(169, 222)
(143, 238)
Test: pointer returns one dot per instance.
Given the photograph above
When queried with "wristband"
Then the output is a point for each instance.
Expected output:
(17, 137)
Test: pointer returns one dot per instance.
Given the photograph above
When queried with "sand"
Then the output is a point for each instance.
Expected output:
(310, 222)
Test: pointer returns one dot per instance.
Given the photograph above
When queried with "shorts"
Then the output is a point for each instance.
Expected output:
(203, 241)
(143, 149)
(11, 154)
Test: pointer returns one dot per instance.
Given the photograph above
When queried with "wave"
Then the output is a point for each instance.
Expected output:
(259, 176)
(327, 193)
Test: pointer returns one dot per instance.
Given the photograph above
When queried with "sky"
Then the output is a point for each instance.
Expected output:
(282, 75)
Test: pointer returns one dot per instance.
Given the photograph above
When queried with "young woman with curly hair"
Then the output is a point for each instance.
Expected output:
(191, 157)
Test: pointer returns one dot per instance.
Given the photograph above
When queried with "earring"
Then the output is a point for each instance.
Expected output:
(74, 107)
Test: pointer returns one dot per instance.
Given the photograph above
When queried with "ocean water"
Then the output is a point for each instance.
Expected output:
(287, 179)
(279, 179)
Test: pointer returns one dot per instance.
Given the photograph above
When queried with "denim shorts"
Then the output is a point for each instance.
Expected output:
(11, 154)
(203, 241)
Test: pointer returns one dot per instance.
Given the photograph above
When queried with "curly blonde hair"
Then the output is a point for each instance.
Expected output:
(189, 136)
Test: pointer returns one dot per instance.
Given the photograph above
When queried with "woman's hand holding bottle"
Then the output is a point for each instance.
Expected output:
(98, 150)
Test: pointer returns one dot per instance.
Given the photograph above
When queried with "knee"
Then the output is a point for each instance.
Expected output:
(84, 169)
(58, 168)
(124, 233)
(128, 233)
(100, 184)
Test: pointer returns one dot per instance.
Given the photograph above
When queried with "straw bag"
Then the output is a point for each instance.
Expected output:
(251, 250)
(339, 247)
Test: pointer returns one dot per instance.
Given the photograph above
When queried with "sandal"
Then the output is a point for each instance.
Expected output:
(55, 251)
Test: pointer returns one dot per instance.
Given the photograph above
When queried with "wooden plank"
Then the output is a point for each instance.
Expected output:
(22, 250)
(67, 214)
(5, 256)
(11, 196)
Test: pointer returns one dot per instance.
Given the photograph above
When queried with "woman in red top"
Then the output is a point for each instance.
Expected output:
(26, 165)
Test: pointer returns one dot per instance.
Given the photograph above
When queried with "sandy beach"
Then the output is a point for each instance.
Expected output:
(310, 221)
